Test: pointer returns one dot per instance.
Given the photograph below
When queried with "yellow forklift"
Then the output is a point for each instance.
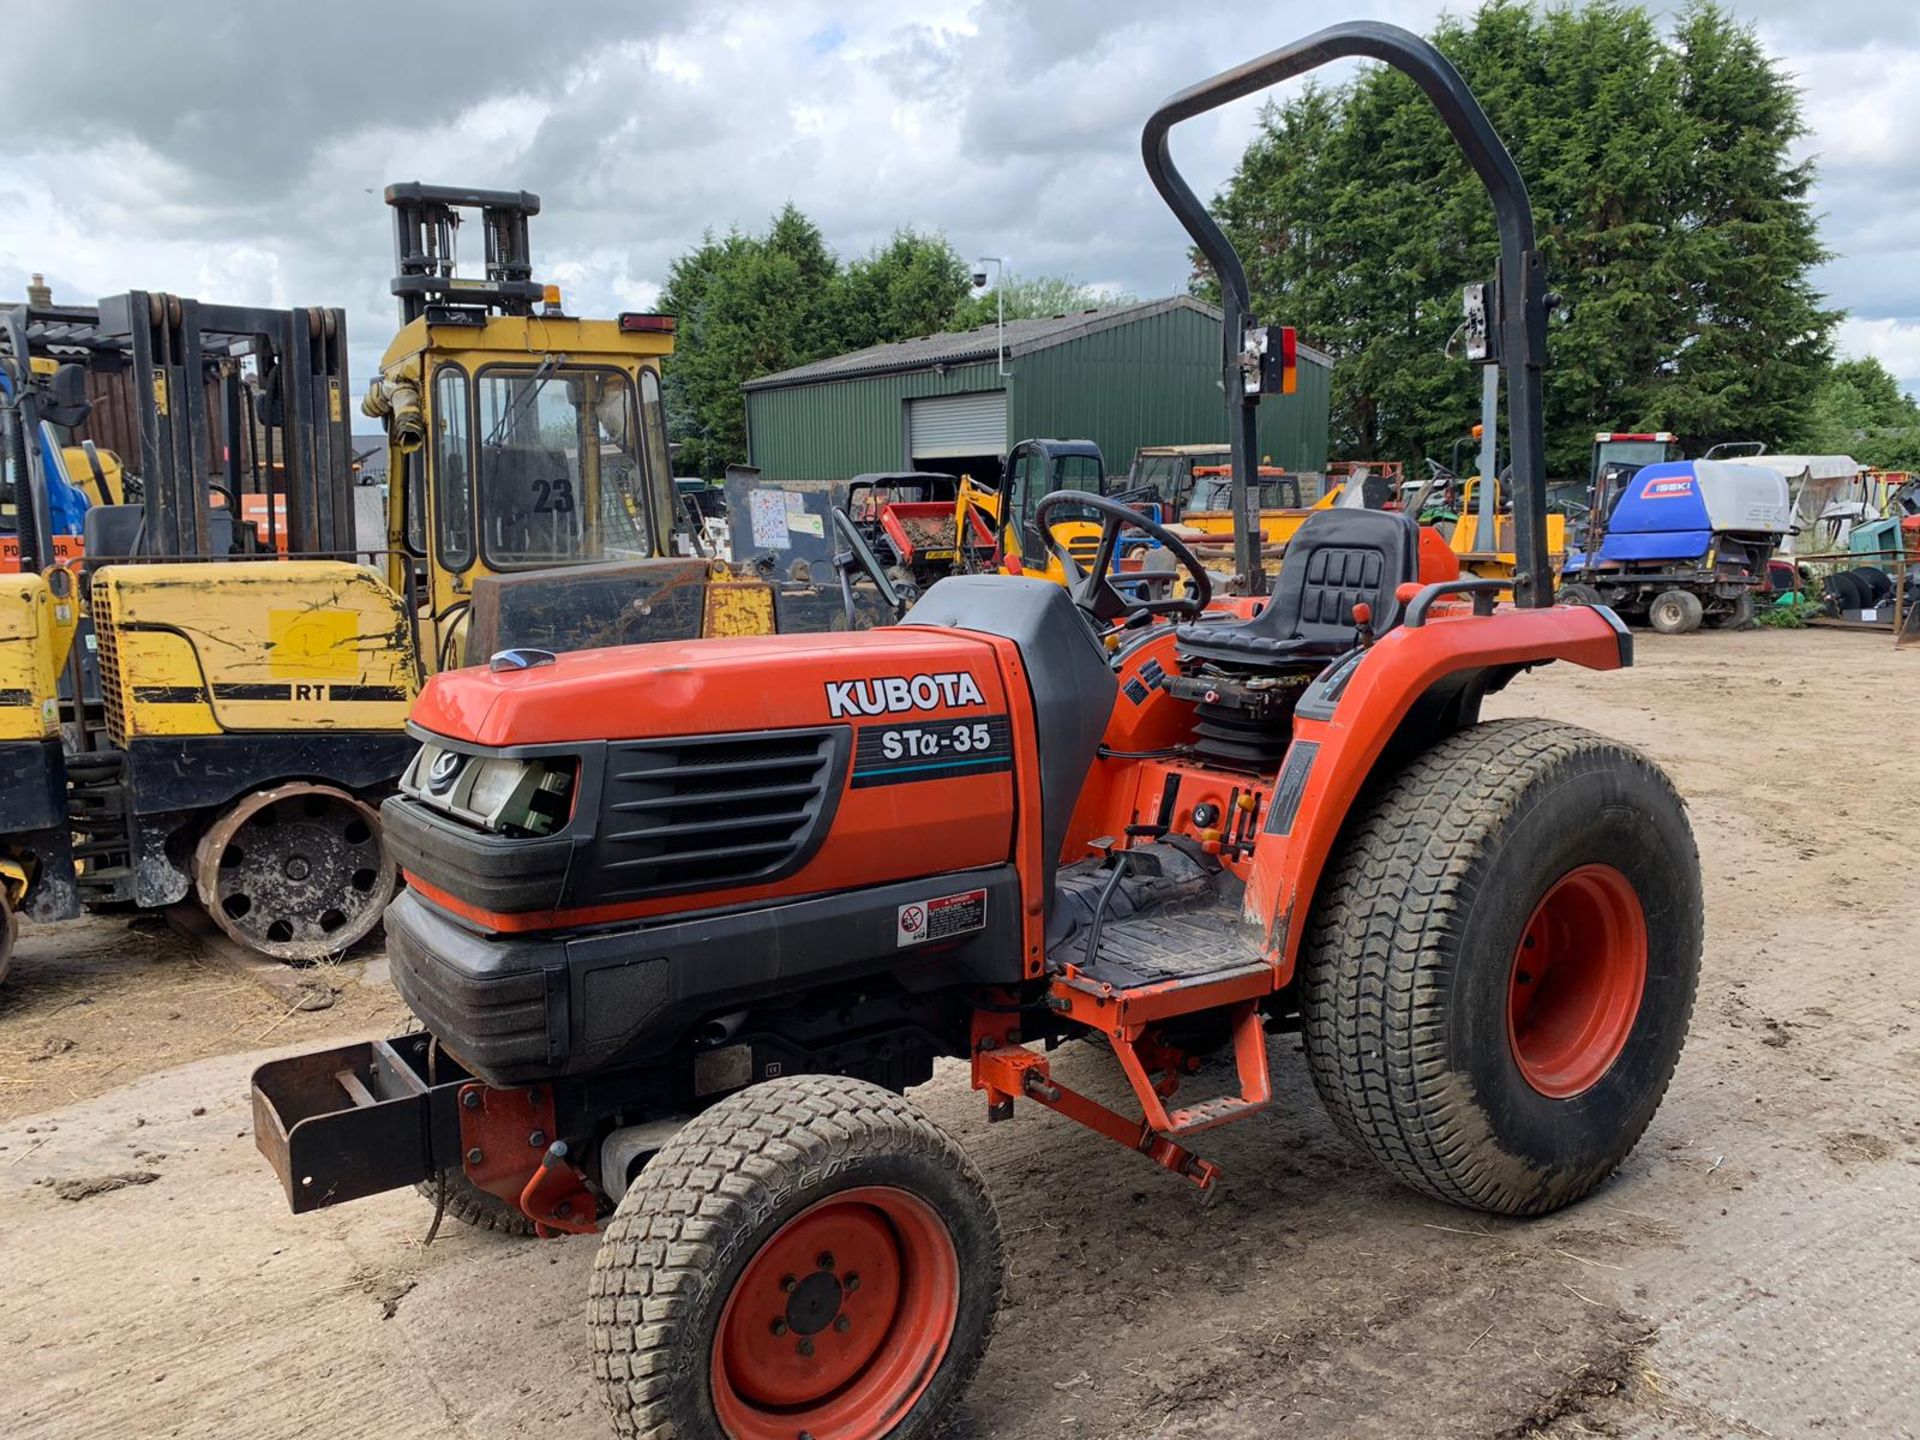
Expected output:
(530, 498)
(207, 726)
(37, 620)
(237, 705)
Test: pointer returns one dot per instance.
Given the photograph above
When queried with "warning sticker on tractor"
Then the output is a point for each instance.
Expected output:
(941, 919)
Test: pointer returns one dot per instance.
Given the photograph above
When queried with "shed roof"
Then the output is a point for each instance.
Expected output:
(983, 343)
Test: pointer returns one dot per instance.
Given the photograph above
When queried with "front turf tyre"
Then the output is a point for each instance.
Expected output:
(1500, 966)
(470, 1205)
(810, 1256)
(1675, 612)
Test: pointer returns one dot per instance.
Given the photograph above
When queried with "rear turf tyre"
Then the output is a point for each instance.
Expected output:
(1501, 964)
(481, 1209)
(722, 1283)
(1739, 617)
(1675, 612)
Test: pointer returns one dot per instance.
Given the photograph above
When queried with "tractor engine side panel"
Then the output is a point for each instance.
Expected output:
(906, 743)
(675, 894)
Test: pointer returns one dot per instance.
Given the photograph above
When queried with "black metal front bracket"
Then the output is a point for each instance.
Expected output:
(1521, 291)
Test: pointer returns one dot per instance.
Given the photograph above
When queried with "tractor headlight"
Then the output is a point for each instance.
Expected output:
(509, 796)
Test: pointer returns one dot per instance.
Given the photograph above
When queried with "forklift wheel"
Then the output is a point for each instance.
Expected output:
(482, 1209)
(1675, 612)
(1740, 617)
(1501, 965)
(810, 1256)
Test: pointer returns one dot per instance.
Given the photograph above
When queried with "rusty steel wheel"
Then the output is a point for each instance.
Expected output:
(296, 871)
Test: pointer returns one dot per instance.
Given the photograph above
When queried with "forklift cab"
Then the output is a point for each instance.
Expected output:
(1618, 457)
(519, 438)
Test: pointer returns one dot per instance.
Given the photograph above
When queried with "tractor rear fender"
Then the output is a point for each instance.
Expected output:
(1371, 712)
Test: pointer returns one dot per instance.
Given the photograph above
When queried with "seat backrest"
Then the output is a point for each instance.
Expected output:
(1336, 560)
(118, 532)
(112, 532)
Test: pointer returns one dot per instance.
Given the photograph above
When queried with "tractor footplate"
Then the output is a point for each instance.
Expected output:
(1184, 944)
(1152, 967)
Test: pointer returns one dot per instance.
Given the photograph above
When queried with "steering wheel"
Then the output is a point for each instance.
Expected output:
(1093, 589)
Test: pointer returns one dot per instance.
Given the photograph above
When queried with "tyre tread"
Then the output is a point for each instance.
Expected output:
(1375, 964)
(720, 1172)
(480, 1209)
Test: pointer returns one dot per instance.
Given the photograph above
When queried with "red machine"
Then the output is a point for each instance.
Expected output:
(685, 920)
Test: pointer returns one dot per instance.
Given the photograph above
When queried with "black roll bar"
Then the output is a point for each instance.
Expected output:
(1521, 292)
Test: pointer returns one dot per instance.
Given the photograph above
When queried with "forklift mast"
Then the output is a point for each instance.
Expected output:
(426, 249)
(298, 394)
(1520, 288)
(20, 435)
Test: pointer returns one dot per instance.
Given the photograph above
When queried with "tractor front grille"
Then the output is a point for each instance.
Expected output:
(713, 811)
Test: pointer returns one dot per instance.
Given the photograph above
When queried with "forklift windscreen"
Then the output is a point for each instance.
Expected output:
(1634, 452)
(561, 469)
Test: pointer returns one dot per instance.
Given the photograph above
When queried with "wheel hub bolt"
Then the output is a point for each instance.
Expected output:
(779, 1327)
(806, 1347)
(852, 1282)
(842, 1324)
(826, 1261)
(298, 867)
(789, 1285)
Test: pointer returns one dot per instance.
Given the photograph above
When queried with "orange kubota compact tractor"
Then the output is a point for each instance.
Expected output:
(685, 920)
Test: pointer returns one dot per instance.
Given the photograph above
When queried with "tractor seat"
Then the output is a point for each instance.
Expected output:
(1337, 559)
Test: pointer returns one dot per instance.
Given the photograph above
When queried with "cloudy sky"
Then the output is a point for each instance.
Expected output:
(237, 152)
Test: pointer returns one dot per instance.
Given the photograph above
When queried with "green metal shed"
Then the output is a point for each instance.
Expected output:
(1145, 374)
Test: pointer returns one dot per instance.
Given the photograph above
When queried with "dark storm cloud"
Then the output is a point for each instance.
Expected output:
(240, 149)
(241, 96)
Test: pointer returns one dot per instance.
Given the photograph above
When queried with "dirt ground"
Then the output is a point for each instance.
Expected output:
(1749, 1272)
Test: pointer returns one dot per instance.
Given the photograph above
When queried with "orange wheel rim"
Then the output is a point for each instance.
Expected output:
(838, 1324)
(1578, 975)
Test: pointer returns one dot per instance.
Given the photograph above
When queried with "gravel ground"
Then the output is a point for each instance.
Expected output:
(1748, 1272)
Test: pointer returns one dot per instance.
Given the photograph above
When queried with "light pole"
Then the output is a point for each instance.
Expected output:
(999, 297)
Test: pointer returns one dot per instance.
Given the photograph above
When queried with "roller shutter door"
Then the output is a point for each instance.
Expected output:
(958, 425)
